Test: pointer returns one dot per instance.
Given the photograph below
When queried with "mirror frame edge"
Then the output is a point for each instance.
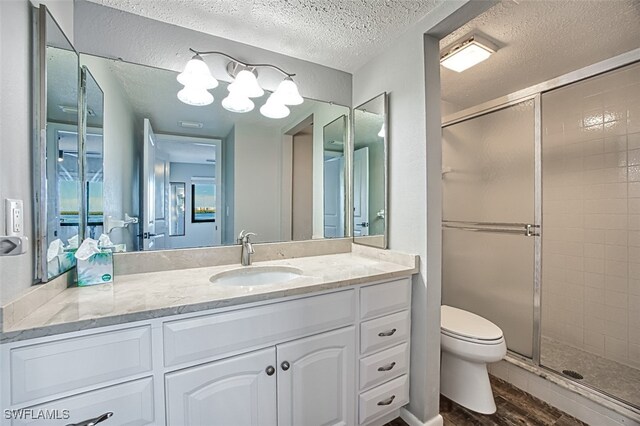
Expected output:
(385, 110)
(39, 137)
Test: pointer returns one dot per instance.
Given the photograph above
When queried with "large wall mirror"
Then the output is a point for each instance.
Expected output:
(161, 174)
(56, 165)
(370, 172)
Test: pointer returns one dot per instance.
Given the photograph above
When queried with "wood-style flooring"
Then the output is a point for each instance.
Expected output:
(515, 408)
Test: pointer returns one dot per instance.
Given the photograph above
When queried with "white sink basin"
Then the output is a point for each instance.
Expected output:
(256, 275)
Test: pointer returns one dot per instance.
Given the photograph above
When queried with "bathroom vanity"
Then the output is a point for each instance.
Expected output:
(171, 347)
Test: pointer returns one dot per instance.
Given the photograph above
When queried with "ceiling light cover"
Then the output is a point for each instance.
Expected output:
(287, 93)
(237, 103)
(246, 84)
(196, 74)
(195, 96)
(471, 52)
(273, 109)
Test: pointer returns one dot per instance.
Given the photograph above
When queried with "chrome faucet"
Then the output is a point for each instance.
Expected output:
(247, 247)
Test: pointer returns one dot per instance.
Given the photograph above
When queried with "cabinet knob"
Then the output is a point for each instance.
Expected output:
(387, 333)
(387, 401)
(94, 421)
(270, 370)
(285, 365)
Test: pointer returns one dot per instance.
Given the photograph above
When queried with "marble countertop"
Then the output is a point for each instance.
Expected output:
(136, 297)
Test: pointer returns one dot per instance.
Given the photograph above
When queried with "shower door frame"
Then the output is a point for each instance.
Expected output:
(535, 92)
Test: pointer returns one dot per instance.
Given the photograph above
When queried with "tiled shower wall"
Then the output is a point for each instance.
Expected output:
(591, 215)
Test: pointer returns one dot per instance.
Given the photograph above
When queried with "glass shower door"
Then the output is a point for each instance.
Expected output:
(489, 229)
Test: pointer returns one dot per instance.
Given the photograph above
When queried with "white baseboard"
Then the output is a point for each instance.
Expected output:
(412, 420)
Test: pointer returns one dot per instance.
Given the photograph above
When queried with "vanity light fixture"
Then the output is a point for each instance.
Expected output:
(197, 80)
(60, 156)
(467, 53)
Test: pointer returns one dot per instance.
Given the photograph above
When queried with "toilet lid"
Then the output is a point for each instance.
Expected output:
(463, 323)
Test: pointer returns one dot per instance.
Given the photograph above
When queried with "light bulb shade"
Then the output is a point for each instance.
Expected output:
(273, 109)
(195, 96)
(382, 132)
(196, 74)
(287, 93)
(246, 84)
(237, 103)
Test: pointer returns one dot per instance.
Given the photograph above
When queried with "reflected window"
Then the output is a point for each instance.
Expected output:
(203, 202)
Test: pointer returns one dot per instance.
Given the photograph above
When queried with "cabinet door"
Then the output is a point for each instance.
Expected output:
(236, 391)
(316, 380)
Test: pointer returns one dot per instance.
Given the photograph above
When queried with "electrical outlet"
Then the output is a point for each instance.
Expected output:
(14, 218)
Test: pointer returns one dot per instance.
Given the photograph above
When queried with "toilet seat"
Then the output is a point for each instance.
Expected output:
(463, 325)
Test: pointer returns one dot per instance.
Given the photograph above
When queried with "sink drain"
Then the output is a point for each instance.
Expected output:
(573, 374)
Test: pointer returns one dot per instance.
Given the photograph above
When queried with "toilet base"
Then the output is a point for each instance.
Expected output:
(466, 383)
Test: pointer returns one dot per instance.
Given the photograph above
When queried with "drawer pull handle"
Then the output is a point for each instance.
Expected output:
(387, 333)
(285, 365)
(270, 370)
(387, 367)
(94, 421)
(387, 401)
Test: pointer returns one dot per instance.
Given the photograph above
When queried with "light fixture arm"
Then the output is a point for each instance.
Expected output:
(248, 65)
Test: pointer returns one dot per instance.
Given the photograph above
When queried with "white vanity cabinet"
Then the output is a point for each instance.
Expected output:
(338, 357)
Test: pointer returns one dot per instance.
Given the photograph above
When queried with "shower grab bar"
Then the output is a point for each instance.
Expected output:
(526, 229)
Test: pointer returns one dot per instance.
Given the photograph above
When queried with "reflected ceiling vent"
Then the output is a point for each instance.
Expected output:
(190, 124)
(467, 52)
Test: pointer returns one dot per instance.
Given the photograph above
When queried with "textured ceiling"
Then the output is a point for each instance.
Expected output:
(540, 40)
(341, 34)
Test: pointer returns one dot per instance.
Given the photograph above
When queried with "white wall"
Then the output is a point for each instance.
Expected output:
(121, 152)
(16, 272)
(111, 33)
(415, 207)
(257, 158)
(196, 234)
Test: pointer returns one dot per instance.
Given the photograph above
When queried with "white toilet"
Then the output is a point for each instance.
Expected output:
(469, 342)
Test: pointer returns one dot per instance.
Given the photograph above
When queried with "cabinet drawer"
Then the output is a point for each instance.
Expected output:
(383, 366)
(131, 404)
(383, 332)
(384, 298)
(50, 368)
(215, 335)
(383, 399)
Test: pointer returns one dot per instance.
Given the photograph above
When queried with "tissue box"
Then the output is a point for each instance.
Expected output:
(97, 269)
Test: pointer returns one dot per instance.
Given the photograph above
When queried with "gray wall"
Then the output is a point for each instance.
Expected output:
(16, 272)
(409, 72)
(228, 181)
(196, 234)
(112, 33)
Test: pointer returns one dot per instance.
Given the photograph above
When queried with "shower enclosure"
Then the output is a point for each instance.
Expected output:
(541, 223)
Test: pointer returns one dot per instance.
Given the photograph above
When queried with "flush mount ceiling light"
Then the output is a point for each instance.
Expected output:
(467, 53)
(197, 80)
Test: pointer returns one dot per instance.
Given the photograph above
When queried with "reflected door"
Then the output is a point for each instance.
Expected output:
(361, 192)
(488, 220)
(333, 196)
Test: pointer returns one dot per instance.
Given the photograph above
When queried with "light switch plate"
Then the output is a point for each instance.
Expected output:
(14, 218)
